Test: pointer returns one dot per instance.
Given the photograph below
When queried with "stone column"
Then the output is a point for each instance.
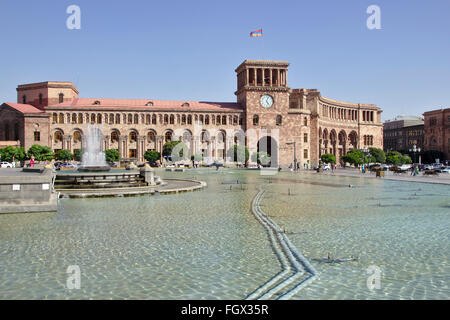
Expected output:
(140, 148)
(270, 72)
(123, 146)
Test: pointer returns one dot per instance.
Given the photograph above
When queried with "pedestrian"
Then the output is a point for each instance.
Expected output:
(32, 161)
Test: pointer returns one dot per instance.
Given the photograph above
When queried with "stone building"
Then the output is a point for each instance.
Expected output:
(402, 133)
(268, 116)
(437, 131)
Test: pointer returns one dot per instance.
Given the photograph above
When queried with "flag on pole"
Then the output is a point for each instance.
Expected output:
(257, 33)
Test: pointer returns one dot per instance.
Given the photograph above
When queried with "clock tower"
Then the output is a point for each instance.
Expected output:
(263, 91)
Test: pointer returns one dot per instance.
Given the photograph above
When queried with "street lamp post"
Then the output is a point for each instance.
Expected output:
(415, 150)
(295, 154)
(366, 152)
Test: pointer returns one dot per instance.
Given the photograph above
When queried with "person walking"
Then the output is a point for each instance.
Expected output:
(32, 161)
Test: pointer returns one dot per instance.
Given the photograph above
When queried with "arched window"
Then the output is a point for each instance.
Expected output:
(80, 118)
(218, 120)
(74, 118)
(224, 119)
(147, 119)
(24, 99)
(76, 136)
(278, 120)
(40, 98)
(183, 119)
(172, 119)
(55, 117)
(58, 136)
(220, 137)
(117, 118)
(207, 119)
(151, 137)
(99, 118)
(305, 121)
(204, 136)
(130, 118)
(200, 119)
(166, 119)
(111, 118)
(154, 119)
(61, 98)
(93, 118)
(136, 119)
(61, 118)
(235, 120)
(149, 104)
(168, 136)
(133, 137)
(114, 137)
(255, 120)
(189, 119)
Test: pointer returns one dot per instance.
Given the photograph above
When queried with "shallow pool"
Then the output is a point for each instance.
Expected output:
(208, 245)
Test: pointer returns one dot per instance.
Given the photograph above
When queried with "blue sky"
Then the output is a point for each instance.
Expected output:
(188, 50)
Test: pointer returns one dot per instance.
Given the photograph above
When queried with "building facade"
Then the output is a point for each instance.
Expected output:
(268, 116)
(437, 131)
(402, 133)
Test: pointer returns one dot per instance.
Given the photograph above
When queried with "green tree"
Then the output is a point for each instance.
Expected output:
(78, 154)
(239, 153)
(262, 158)
(152, 155)
(64, 155)
(168, 147)
(378, 154)
(354, 157)
(41, 153)
(112, 155)
(7, 154)
(396, 158)
(405, 159)
(328, 158)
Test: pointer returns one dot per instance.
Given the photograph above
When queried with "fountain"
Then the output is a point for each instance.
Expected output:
(93, 159)
(95, 178)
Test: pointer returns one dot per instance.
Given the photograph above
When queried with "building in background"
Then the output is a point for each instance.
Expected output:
(402, 133)
(437, 131)
(52, 114)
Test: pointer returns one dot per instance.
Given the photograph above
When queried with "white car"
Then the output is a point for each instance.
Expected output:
(405, 167)
(327, 167)
(5, 164)
(445, 170)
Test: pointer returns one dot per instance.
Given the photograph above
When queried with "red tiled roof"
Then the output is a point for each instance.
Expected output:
(157, 104)
(24, 108)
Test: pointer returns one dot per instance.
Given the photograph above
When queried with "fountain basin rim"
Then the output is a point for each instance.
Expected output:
(94, 168)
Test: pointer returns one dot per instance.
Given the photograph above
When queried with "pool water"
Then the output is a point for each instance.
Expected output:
(208, 245)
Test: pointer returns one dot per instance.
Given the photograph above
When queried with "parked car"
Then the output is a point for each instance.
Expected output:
(445, 170)
(5, 164)
(327, 167)
(405, 167)
(442, 169)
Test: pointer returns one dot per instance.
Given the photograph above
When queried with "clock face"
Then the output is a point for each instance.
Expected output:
(266, 101)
